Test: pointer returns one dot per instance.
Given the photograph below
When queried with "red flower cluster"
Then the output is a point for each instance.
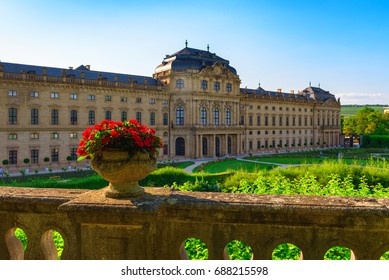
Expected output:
(130, 136)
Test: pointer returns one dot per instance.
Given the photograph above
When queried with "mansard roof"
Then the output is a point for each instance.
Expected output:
(318, 93)
(76, 73)
(263, 92)
(189, 58)
(310, 93)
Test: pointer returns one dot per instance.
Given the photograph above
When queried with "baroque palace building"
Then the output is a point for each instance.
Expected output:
(194, 101)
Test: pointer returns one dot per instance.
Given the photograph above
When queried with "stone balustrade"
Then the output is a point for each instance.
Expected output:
(156, 225)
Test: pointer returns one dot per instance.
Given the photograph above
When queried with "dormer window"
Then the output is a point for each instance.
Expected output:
(216, 86)
(180, 83)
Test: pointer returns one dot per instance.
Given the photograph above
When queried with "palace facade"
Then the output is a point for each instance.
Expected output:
(193, 100)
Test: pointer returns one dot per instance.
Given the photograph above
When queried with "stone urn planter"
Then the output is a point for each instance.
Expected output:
(123, 172)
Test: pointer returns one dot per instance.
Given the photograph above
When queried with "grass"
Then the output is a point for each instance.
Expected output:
(230, 165)
(351, 110)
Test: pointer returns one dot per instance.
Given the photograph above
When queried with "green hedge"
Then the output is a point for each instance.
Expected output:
(375, 141)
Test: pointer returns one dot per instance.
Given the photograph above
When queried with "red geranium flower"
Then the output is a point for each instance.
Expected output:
(128, 135)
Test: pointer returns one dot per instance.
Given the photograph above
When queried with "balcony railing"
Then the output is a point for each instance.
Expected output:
(79, 81)
(155, 225)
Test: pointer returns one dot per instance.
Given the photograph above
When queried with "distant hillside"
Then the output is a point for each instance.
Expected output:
(351, 110)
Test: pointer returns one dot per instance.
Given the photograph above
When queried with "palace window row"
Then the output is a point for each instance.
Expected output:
(90, 97)
(216, 116)
(35, 156)
(294, 121)
(35, 136)
(55, 117)
(180, 84)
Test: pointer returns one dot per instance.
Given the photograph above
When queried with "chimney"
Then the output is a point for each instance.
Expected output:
(70, 67)
(87, 67)
(279, 90)
(291, 91)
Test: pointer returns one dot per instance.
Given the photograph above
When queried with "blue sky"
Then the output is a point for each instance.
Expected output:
(343, 45)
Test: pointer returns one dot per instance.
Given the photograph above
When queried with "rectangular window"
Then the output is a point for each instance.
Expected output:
(273, 121)
(12, 116)
(165, 119)
(34, 94)
(266, 120)
(91, 117)
(73, 96)
(139, 117)
(123, 99)
(54, 117)
(34, 156)
(280, 121)
(13, 157)
(12, 136)
(34, 116)
(73, 117)
(258, 120)
(165, 149)
(250, 120)
(12, 93)
(73, 135)
(152, 101)
(138, 100)
(108, 115)
(258, 144)
(73, 153)
(108, 98)
(152, 118)
(123, 116)
(250, 145)
(34, 135)
(91, 97)
(54, 95)
(54, 155)
(165, 102)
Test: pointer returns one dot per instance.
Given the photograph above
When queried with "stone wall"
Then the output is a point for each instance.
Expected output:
(155, 225)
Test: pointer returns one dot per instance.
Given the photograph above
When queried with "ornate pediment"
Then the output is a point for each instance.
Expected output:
(217, 71)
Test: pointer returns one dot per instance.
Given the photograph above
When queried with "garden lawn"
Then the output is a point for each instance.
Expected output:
(233, 165)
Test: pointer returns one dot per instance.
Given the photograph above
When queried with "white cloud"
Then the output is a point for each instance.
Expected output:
(363, 98)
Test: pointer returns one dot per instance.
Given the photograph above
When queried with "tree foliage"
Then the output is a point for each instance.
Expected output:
(366, 121)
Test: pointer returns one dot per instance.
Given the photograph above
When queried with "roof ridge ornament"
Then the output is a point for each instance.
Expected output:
(186, 43)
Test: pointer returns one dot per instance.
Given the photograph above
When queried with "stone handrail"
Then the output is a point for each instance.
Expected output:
(155, 225)
(78, 81)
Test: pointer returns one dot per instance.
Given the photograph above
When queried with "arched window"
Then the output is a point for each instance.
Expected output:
(180, 83)
(229, 87)
(228, 116)
(205, 146)
(204, 84)
(216, 86)
(216, 116)
(217, 146)
(180, 146)
(203, 116)
(229, 145)
(180, 115)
